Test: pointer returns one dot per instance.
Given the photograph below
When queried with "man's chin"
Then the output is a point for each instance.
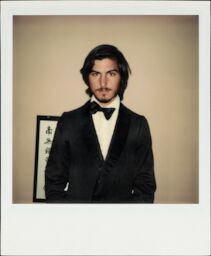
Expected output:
(105, 100)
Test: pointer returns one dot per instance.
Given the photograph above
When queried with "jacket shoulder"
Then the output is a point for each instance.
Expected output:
(135, 115)
(74, 113)
(138, 122)
(72, 118)
(140, 126)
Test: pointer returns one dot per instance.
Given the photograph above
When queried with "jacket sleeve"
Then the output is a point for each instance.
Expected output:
(56, 173)
(144, 184)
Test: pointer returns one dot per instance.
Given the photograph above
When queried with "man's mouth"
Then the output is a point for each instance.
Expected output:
(103, 90)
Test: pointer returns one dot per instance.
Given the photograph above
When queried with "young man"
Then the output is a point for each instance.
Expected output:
(102, 150)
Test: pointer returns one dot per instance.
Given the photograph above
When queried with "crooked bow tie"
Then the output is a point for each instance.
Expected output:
(94, 107)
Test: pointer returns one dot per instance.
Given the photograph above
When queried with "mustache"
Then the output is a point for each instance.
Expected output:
(103, 89)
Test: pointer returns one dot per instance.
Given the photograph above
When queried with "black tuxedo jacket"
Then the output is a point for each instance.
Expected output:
(125, 176)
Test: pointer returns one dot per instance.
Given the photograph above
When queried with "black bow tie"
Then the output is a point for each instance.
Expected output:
(94, 107)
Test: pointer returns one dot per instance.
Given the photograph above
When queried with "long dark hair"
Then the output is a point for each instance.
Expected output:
(106, 51)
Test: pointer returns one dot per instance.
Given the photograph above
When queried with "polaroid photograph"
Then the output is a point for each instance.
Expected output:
(105, 127)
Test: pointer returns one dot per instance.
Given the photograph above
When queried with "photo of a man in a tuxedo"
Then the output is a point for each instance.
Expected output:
(102, 151)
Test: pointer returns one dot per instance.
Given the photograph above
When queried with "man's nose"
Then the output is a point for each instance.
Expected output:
(103, 80)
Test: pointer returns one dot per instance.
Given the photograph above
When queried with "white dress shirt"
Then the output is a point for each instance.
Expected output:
(105, 128)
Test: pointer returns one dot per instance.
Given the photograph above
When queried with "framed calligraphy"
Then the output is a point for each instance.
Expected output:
(46, 126)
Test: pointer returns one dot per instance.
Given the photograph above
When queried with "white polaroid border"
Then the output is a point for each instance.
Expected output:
(83, 229)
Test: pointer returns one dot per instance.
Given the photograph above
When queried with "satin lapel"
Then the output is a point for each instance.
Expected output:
(119, 137)
(90, 137)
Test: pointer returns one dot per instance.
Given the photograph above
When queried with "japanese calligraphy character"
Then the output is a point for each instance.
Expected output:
(47, 150)
(48, 141)
(49, 130)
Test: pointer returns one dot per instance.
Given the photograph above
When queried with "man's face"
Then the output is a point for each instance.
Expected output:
(104, 80)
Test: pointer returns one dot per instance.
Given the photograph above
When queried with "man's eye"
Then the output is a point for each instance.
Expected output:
(94, 74)
(112, 73)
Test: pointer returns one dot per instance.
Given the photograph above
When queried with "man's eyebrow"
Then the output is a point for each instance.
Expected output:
(92, 70)
(111, 70)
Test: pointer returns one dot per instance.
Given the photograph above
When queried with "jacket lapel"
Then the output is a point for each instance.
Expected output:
(119, 137)
(90, 137)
